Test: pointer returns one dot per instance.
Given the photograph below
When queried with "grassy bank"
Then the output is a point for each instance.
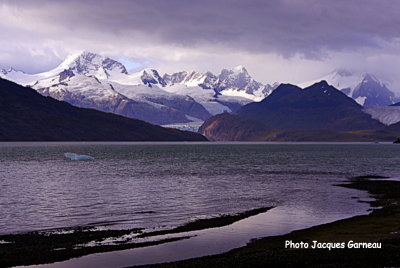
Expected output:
(381, 225)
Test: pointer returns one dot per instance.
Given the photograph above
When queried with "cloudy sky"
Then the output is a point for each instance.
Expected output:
(276, 40)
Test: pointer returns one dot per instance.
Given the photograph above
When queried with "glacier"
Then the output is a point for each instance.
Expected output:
(387, 115)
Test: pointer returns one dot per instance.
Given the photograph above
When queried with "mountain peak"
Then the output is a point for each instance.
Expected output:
(151, 76)
(89, 63)
(10, 70)
(322, 84)
(368, 77)
(192, 78)
(283, 89)
(319, 106)
(365, 88)
(149, 70)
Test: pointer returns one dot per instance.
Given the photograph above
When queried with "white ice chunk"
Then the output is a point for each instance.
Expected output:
(78, 157)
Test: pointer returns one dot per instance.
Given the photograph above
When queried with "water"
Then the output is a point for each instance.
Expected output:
(150, 185)
(162, 185)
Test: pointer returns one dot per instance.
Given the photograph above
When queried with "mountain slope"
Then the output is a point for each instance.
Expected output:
(319, 106)
(91, 64)
(229, 127)
(92, 81)
(29, 116)
(387, 115)
(375, 92)
(90, 92)
(365, 88)
(238, 82)
(192, 79)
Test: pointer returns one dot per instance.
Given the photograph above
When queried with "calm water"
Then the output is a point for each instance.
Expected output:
(150, 185)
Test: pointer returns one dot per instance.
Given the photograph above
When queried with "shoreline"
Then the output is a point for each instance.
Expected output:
(56, 254)
(381, 225)
(50, 246)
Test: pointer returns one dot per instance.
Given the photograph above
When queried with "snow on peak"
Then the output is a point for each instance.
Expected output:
(12, 71)
(238, 82)
(89, 63)
(340, 79)
(365, 88)
(17, 76)
(237, 78)
(151, 76)
(9, 70)
(192, 78)
(86, 63)
(69, 60)
(175, 78)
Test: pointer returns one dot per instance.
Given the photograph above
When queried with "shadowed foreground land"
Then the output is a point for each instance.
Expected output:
(382, 224)
(23, 111)
(53, 246)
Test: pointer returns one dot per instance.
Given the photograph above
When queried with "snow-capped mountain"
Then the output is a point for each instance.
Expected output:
(91, 64)
(93, 81)
(85, 63)
(193, 79)
(151, 77)
(89, 92)
(365, 88)
(232, 83)
(23, 78)
(238, 82)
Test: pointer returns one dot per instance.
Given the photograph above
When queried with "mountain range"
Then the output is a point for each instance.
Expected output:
(28, 116)
(319, 112)
(90, 80)
(319, 106)
(365, 88)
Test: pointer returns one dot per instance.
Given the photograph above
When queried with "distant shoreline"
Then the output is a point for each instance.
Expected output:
(190, 142)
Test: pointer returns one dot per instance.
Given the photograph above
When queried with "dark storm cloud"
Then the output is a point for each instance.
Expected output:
(277, 40)
(286, 27)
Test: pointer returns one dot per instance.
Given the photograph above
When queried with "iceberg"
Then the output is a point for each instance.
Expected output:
(78, 157)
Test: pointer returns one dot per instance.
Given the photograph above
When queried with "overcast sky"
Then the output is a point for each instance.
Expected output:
(276, 40)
